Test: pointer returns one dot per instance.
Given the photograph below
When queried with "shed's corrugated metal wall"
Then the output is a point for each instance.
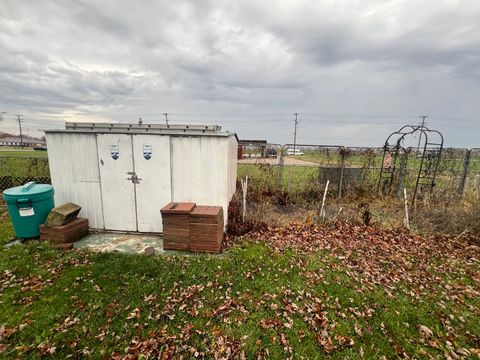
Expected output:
(200, 170)
(232, 166)
(75, 177)
(203, 170)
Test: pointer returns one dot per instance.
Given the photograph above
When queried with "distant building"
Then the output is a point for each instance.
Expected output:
(17, 141)
(252, 148)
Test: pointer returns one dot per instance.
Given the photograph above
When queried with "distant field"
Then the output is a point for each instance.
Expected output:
(3, 147)
(332, 157)
(19, 167)
(16, 153)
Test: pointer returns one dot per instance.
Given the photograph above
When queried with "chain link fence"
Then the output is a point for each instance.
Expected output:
(471, 174)
(17, 170)
(301, 174)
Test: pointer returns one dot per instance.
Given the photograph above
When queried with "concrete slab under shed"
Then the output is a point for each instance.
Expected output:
(120, 242)
(133, 243)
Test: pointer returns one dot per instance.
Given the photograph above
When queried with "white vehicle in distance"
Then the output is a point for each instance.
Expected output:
(290, 151)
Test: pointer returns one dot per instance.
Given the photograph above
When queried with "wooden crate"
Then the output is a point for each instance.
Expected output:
(70, 232)
(206, 228)
(176, 228)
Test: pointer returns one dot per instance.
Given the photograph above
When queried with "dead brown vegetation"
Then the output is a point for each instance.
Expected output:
(431, 214)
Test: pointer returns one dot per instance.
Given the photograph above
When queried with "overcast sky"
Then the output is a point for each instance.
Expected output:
(353, 70)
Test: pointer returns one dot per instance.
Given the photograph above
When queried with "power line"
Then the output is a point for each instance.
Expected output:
(361, 115)
(328, 121)
(328, 116)
(252, 114)
(331, 121)
(310, 137)
(227, 114)
(454, 118)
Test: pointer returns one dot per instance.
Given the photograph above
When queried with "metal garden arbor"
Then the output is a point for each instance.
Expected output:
(395, 157)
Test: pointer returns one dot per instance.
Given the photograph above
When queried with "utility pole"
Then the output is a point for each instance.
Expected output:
(423, 117)
(19, 119)
(295, 134)
(166, 118)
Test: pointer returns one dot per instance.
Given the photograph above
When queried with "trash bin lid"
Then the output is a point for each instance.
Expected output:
(30, 190)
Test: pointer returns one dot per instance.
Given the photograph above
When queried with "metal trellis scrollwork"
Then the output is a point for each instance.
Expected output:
(395, 156)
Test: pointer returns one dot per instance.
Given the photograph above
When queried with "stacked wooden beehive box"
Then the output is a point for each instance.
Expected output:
(176, 230)
(206, 228)
(187, 226)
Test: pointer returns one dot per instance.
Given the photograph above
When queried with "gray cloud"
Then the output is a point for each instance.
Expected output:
(254, 62)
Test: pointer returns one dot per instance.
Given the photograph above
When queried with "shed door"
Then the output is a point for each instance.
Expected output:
(115, 160)
(153, 191)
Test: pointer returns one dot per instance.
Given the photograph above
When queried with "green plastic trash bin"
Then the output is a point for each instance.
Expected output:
(28, 206)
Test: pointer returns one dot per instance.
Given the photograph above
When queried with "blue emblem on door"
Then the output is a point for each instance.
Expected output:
(147, 152)
(114, 152)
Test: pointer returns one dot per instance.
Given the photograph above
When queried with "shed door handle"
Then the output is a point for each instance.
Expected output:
(134, 178)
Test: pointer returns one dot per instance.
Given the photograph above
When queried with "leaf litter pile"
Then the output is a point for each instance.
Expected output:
(299, 291)
(374, 256)
(396, 261)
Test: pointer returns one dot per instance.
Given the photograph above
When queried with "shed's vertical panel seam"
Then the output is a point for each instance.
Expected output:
(134, 183)
(100, 179)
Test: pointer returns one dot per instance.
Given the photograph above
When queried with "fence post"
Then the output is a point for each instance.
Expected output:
(4, 167)
(407, 221)
(340, 185)
(322, 210)
(280, 170)
(463, 179)
(289, 176)
(244, 184)
(403, 173)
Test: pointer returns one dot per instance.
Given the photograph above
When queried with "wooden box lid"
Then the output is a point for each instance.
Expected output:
(178, 208)
(206, 211)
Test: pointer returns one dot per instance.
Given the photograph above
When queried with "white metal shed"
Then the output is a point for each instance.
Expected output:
(123, 174)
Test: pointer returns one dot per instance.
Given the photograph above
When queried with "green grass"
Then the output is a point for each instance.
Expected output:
(268, 177)
(22, 153)
(40, 288)
(304, 183)
(330, 157)
(19, 166)
(24, 167)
